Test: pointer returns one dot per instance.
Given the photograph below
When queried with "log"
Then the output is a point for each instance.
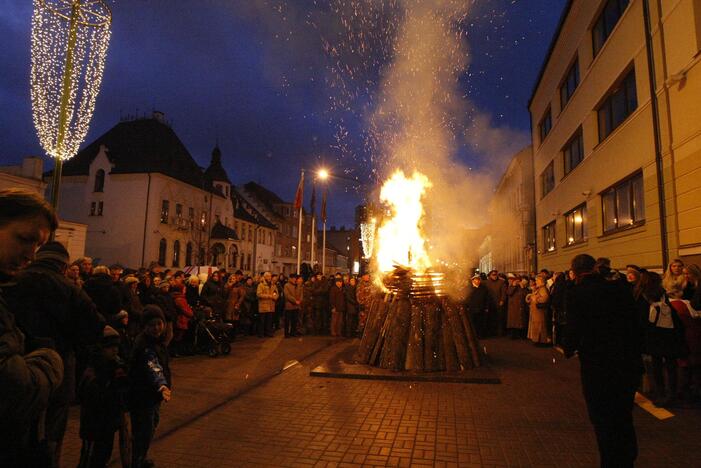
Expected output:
(415, 347)
(450, 358)
(393, 354)
(459, 336)
(433, 352)
(373, 327)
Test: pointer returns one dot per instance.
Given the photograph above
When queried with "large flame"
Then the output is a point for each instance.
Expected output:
(399, 239)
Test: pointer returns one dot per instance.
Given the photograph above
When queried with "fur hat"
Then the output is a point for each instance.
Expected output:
(131, 279)
(110, 337)
(53, 250)
(152, 312)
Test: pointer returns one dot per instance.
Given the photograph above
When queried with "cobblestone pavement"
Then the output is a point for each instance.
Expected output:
(536, 417)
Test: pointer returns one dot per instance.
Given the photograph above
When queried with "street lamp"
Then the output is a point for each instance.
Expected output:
(69, 46)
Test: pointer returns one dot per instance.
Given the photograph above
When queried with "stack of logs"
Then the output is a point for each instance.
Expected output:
(415, 327)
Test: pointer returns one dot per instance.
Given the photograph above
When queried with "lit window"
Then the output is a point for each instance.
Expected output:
(165, 207)
(93, 206)
(100, 206)
(576, 225)
(547, 179)
(623, 205)
(549, 237)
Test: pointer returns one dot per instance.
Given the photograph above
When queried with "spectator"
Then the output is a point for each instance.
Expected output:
(28, 380)
(364, 296)
(497, 298)
(350, 320)
(603, 328)
(692, 278)
(306, 317)
(73, 274)
(478, 305)
(183, 311)
(102, 392)
(54, 311)
(234, 302)
(267, 295)
(192, 291)
(689, 367)
(249, 310)
(212, 294)
(337, 299)
(557, 306)
(131, 302)
(538, 301)
(517, 317)
(674, 275)
(150, 384)
(104, 293)
(86, 268)
(320, 298)
(294, 295)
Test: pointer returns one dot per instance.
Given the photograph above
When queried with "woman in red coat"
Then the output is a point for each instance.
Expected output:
(688, 368)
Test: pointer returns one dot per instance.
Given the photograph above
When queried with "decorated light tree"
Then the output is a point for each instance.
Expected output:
(69, 46)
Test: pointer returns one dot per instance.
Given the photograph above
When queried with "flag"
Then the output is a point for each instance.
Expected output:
(313, 204)
(299, 196)
(323, 207)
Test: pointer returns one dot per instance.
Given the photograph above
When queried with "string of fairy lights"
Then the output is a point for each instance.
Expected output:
(69, 45)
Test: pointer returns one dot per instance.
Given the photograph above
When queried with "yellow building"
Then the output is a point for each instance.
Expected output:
(604, 144)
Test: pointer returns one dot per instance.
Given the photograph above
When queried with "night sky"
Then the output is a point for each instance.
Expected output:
(254, 75)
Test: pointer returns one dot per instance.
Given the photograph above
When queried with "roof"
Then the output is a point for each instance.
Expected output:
(219, 231)
(140, 146)
(247, 212)
(267, 197)
(556, 36)
(215, 172)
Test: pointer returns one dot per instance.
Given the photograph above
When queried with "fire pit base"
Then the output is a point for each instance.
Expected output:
(343, 366)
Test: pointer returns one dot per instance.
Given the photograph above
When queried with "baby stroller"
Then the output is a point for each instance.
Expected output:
(209, 334)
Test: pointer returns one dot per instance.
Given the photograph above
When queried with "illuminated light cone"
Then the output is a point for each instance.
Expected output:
(69, 46)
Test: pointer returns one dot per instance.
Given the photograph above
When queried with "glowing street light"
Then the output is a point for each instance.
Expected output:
(323, 174)
(69, 46)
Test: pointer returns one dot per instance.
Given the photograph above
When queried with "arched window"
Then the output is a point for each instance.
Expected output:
(99, 181)
(176, 253)
(188, 254)
(162, 252)
(233, 253)
(218, 252)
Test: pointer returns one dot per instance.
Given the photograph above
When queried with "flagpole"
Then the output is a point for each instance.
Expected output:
(299, 230)
(323, 247)
(313, 229)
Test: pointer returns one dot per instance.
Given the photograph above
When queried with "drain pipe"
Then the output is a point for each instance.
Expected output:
(659, 163)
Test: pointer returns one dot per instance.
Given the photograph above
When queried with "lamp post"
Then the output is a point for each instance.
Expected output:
(69, 45)
(323, 175)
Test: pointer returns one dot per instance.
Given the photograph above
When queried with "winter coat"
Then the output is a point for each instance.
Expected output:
(516, 314)
(692, 331)
(293, 293)
(149, 370)
(537, 316)
(212, 294)
(164, 300)
(497, 291)
(352, 304)
(105, 294)
(602, 325)
(237, 294)
(664, 332)
(192, 293)
(182, 308)
(337, 299)
(477, 299)
(102, 392)
(320, 293)
(267, 295)
(26, 383)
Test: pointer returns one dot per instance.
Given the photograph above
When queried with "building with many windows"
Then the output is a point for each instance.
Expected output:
(617, 134)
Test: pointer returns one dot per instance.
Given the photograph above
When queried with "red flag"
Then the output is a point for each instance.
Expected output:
(300, 193)
(323, 207)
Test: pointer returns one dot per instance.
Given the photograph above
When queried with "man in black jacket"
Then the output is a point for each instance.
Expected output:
(478, 305)
(602, 327)
(52, 310)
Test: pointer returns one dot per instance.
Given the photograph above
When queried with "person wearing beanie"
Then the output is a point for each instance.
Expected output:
(150, 380)
(102, 393)
(54, 312)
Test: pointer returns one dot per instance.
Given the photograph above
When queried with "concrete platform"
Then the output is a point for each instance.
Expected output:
(342, 366)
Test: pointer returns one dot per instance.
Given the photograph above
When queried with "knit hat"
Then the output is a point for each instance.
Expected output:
(53, 250)
(110, 337)
(152, 312)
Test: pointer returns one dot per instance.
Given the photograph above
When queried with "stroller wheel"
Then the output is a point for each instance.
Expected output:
(225, 348)
(212, 350)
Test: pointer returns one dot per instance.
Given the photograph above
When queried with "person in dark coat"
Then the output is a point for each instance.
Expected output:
(557, 304)
(337, 299)
(603, 328)
(27, 379)
(350, 320)
(497, 300)
(212, 294)
(104, 293)
(477, 305)
(55, 311)
(102, 391)
(150, 383)
(517, 315)
(320, 302)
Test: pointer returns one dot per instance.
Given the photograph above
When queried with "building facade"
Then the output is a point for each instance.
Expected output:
(512, 218)
(617, 134)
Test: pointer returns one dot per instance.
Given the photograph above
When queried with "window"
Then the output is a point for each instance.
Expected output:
(623, 205)
(576, 225)
(549, 237)
(188, 254)
(202, 257)
(573, 152)
(547, 179)
(203, 221)
(241, 261)
(621, 102)
(165, 207)
(191, 216)
(176, 253)
(545, 125)
(93, 205)
(179, 211)
(607, 20)
(270, 238)
(100, 206)
(236, 228)
(248, 262)
(569, 84)
(99, 181)
(162, 252)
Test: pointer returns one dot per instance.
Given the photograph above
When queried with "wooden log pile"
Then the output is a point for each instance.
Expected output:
(415, 327)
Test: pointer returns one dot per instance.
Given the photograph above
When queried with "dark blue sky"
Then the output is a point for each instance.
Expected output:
(253, 74)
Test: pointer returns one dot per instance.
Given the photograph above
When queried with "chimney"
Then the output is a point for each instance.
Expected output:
(159, 116)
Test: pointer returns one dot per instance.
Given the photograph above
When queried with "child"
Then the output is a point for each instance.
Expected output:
(101, 391)
(149, 377)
